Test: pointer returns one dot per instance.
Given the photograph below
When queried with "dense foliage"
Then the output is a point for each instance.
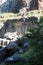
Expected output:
(35, 54)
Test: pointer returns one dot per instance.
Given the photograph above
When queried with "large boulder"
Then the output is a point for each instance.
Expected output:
(13, 45)
(16, 58)
(12, 48)
(13, 58)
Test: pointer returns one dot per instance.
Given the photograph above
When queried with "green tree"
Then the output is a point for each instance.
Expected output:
(35, 54)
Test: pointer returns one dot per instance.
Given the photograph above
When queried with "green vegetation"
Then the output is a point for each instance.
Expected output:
(35, 54)
(36, 13)
(7, 16)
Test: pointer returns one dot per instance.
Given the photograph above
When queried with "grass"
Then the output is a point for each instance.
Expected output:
(35, 13)
(28, 54)
(7, 16)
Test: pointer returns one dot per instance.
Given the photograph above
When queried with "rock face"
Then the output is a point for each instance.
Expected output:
(6, 6)
(40, 4)
(10, 5)
(33, 5)
(18, 4)
(15, 6)
(2, 54)
(18, 25)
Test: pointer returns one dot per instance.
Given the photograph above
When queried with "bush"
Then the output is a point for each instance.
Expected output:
(35, 54)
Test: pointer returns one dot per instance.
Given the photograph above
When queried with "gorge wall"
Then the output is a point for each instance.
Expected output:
(16, 5)
(34, 4)
(18, 25)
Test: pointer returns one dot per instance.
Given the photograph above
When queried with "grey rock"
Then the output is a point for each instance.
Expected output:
(12, 45)
(26, 44)
(20, 51)
(16, 58)
(9, 59)
(7, 6)
(2, 54)
(13, 58)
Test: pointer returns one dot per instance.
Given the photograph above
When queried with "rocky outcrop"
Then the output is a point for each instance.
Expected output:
(16, 5)
(31, 4)
(11, 6)
(17, 25)
(7, 6)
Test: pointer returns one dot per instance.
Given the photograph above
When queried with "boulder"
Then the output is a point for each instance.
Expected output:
(21, 51)
(12, 48)
(17, 58)
(26, 44)
(13, 45)
(14, 58)
(9, 59)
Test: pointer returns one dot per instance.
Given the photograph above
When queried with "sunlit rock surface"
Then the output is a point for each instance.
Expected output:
(40, 4)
